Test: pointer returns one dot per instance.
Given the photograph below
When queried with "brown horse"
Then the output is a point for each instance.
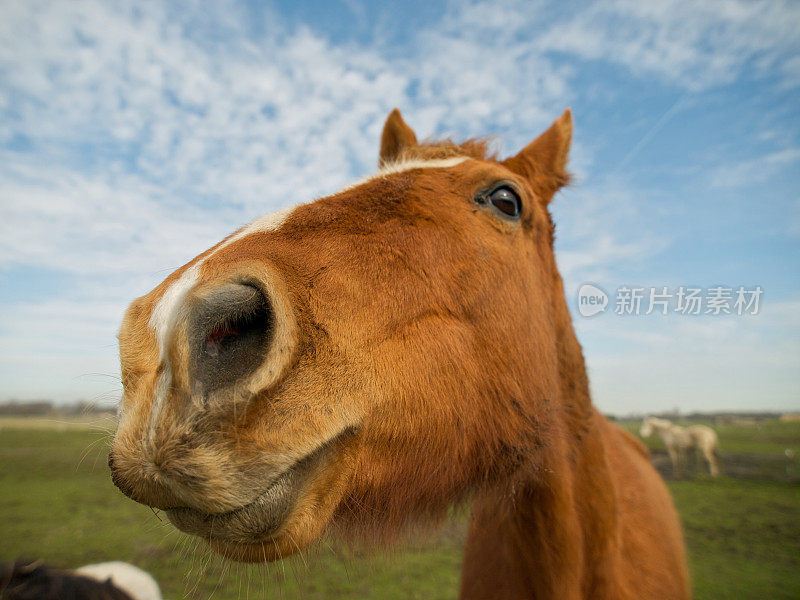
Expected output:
(370, 358)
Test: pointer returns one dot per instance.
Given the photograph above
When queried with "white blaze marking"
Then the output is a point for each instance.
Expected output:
(164, 312)
(269, 222)
(167, 309)
(408, 165)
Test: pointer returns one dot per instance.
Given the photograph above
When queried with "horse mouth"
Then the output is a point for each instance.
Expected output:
(259, 522)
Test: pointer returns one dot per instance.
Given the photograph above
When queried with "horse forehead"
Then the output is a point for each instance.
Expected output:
(167, 298)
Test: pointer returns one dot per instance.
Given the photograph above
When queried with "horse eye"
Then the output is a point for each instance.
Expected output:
(506, 201)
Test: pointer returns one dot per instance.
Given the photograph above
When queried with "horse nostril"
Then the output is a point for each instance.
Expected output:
(232, 331)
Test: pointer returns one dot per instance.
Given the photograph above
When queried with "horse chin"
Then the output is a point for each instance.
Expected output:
(255, 533)
(305, 526)
(291, 513)
(259, 552)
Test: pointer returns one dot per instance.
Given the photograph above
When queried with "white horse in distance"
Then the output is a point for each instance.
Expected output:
(679, 439)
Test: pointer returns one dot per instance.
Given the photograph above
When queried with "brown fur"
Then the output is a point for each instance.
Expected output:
(433, 361)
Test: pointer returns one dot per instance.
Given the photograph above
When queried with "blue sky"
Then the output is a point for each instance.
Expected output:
(133, 135)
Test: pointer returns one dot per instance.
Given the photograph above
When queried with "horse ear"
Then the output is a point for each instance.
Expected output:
(544, 161)
(396, 137)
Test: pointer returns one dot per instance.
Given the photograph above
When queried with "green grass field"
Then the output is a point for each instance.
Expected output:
(57, 503)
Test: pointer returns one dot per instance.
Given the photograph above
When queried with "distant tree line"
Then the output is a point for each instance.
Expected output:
(47, 407)
(720, 417)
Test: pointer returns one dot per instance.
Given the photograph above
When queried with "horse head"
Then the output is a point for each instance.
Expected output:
(356, 361)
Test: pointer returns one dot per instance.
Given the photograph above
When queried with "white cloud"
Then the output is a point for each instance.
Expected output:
(694, 44)
(753, 171)
(101, 225)
(195, 120)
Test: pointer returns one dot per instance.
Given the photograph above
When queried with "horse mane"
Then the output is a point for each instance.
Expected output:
(476, 148)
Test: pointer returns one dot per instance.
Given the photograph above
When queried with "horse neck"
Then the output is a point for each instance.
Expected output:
(537, 533)
(573, 381)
